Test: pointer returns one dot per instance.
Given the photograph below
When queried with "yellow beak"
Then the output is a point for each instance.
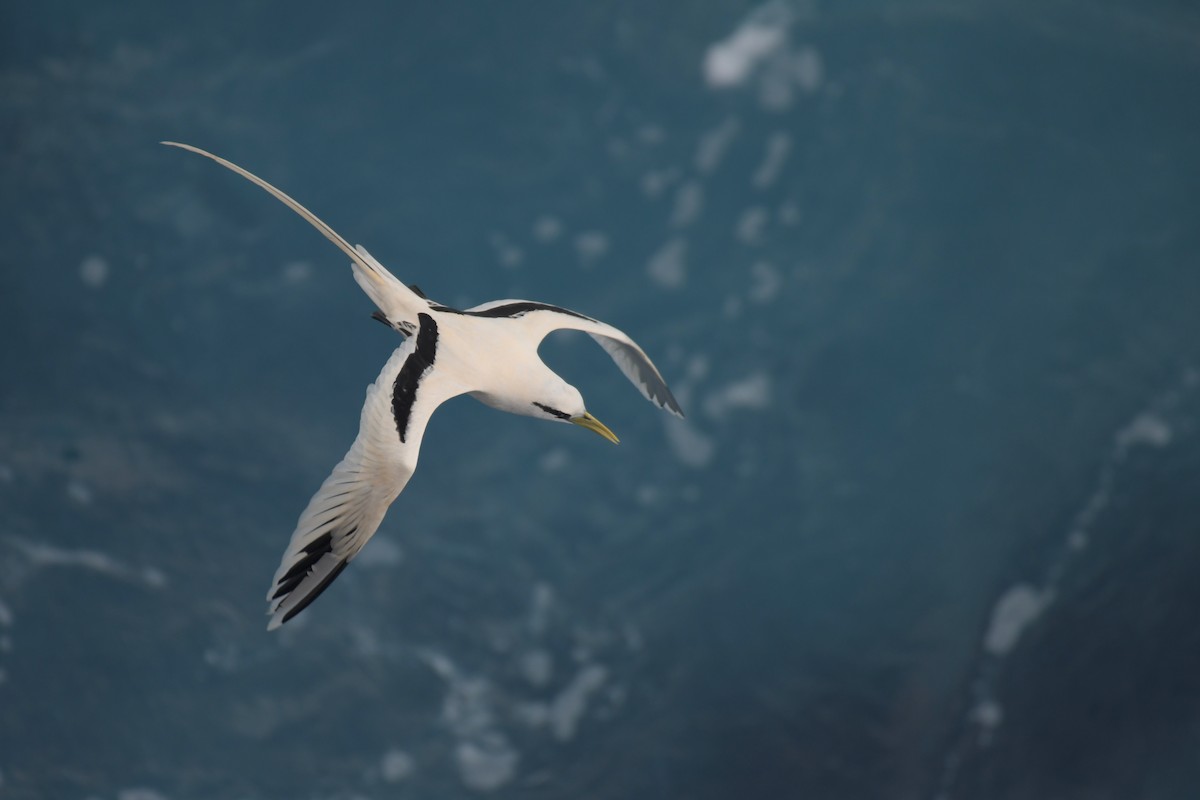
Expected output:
(596, 426)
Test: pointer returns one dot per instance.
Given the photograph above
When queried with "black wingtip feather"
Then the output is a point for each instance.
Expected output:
(316, 592)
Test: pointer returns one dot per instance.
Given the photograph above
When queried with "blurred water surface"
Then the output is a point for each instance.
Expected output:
(924, 276)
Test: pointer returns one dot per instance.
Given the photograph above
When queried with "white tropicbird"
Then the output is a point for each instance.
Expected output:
(488, 352)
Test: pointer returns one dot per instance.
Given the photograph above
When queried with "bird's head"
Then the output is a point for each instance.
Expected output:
(562, 402)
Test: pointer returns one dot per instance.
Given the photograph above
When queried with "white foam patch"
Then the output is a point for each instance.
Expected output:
(751, 392)
(154, 577)
(774, 159)
(651, 134)
(667, 267)
(488, 763)
(987, 715)
(751, 225)
(532, 713)
(140, 793)
(697, 367)
(730, 62)
(485, 758)
(732, 307)
(537, 667)
(808, 68)
(765, 282)
(1015, 611)
(546, 229)
(381, 551)
(79, 492)
(655, 182)
(1146, 429)
(554, 460)
(713, 144)
(541, 605)
(689, 445)
(395, 765)
(591, 246)
(467, 707)
(223, 657)
(569, 706)
(93, 271)
(789, 214)
(507, 254)
(759, 53)
(44, 555)
(297, 272)
(785, 73)
(648, 495)
(689, 202)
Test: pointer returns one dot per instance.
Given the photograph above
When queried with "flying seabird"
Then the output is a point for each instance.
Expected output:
(488, 352)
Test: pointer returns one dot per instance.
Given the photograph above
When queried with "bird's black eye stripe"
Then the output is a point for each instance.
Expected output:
(553, 411)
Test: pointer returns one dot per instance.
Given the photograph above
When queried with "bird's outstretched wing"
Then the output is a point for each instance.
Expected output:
(632, 360)
(399, 303)
(348, 508)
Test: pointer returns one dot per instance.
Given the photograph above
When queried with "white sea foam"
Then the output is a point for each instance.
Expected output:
(541, 605)
(751, 392)
(730, 62)
(395, 765)
(732, 307)
(591, 246)
(651, 134)
(760, 53)
(140, 793)
(774, 158)
(44, 555)
(789, 214)
(655, 182)
(751, 225)
(988, 715)
(1015, 611)
(570, 705)
(296, 272)
(689, 201)
(381, 551)
(487, 763)
(508, 254)
(547, 228)
(808, 68)
(79, 492)
(537, 667)
(690, 446)
(765, 282)
(667, 267)
(713, 144)
(554, 460)
(93, 271)
(1148, 429)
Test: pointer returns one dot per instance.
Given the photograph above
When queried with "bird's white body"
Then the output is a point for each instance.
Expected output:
(489, 352)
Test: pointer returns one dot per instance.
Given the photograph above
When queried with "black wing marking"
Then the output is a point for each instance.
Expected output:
(510, 309)
(404, 390)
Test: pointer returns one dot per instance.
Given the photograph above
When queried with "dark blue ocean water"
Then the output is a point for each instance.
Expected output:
(925, 276)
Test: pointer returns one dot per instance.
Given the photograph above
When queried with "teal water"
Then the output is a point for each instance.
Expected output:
(924, 277)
